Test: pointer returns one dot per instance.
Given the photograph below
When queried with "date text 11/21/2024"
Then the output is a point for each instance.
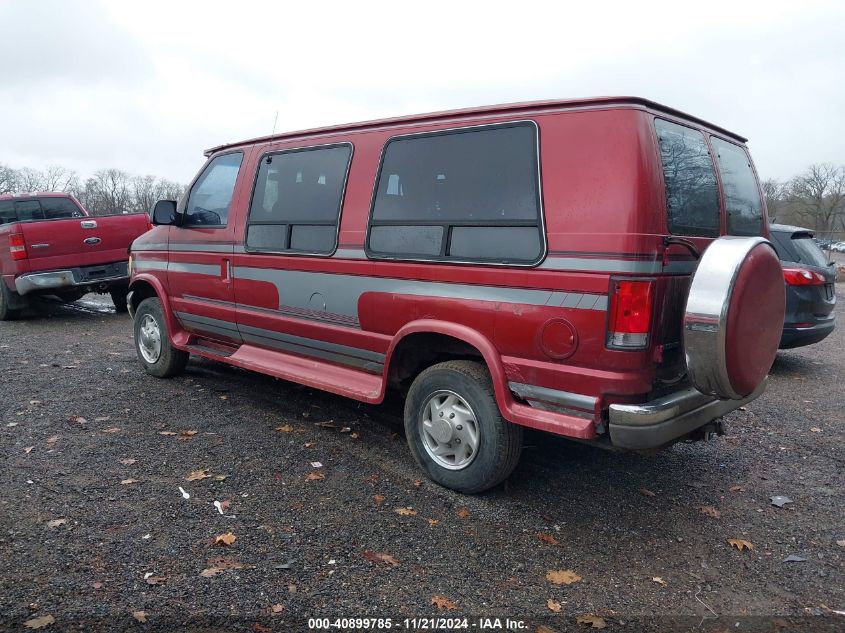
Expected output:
(418, 624)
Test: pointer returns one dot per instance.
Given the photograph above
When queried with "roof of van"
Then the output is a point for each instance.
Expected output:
(527, 106)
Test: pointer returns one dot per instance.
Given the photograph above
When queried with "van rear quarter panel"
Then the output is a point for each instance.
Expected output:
(602, 203)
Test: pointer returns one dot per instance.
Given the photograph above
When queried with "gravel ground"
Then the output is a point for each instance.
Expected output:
(94, 527)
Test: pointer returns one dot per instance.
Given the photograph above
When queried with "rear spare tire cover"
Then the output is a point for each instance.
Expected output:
(734, 317)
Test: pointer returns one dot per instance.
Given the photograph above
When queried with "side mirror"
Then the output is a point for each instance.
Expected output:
(164, 213)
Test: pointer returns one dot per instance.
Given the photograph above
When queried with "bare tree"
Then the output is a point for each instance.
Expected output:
(30, 180)
(818, 197)
(107, 192)
(57, 178)
(775, 193)
(8, 179)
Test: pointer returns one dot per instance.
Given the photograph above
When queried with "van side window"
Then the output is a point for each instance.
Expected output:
(692, 198)
(210, 197)
(466, 195)
(742, 197)
(297, 198)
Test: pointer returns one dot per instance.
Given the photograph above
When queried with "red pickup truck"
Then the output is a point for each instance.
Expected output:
(49, 245)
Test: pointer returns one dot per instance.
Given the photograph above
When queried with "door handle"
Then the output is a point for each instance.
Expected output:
(226, 271)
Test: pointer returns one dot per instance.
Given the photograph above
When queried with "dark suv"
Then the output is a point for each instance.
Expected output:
(810, 292)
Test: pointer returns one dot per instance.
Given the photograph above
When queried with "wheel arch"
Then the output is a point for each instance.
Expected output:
(144, 286)
(438, 338)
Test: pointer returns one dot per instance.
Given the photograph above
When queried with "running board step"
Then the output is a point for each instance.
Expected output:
(343, 381)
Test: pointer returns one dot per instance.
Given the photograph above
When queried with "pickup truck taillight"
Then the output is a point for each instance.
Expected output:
(629, 318)
(17, 246)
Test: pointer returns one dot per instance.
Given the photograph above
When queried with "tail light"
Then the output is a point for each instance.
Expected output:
(629, 319)
(17, 246)
(802, 277)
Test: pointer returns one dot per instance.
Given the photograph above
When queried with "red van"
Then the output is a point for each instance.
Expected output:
(597, 269)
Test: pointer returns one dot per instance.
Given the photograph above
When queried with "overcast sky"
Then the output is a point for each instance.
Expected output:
(147, 86)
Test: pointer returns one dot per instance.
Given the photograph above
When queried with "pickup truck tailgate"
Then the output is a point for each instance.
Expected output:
(55, 244)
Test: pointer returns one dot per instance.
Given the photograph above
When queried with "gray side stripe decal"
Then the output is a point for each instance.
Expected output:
(300, 342)
(351, 253)
(342, 292)
(615, 265)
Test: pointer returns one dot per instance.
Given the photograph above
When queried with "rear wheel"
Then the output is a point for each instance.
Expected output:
(7, 300)
(152, 342)
(455, 430)
(118, 297)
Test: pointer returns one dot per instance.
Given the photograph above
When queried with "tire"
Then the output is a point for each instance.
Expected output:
(464, 392)
(161, 360)
(118, 297)
(7, 299)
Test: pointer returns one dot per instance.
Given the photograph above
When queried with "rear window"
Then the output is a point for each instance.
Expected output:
(742, 197)
(692, 198)
(7, 212)
(799, 248)
(468, 195)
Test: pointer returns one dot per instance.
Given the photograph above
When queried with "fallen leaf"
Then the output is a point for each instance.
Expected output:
(594, 621)
(710, 511)
(780, 500)
(379, 499)
(56, 523)
(315, 476)
(276, 609)
(354, 436)
(211, 571)
(405, 512)
(740, 544)
(126, 482)
(39, 622)
(816, 429)
(225, 539)
(310, 444)
(114, 429)
(378, 557)
(345, 429)
(168, 433)
(52, 439)
(548, 538)
(258, 628)
(156, 580)
(97, 585)
(433, 522)
(102, 418)
(543, 629)
(418, 483)
(326, 425)
(737, 489)
(224, 505)
(196, 475)
(841, 543)
(141, 616)
(220, 477)
(462, 513)
(647, 493)
(128, 461)
(553, 605)
(659, 581)
(77, 419)
(442, 602)
(224, 397)
(187, 433)
(28, 449)
(562, 577)
(285, 428)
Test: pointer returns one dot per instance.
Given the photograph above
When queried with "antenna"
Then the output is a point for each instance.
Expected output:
(276, 120)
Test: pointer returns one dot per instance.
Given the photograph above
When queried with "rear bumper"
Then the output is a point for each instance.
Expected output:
(798, 336)
(662, 421)
(90, 277)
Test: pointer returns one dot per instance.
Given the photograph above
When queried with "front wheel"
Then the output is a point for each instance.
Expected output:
(455, 430)
(8, 298)
(152, 342)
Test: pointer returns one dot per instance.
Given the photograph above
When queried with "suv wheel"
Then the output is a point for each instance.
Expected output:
(455, 430)
(152, 342)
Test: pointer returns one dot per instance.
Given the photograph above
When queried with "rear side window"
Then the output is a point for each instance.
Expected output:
(297, 199)
(59, 208)
(466, 195)
(211, 195)
(742, 197)
(28, 210)
(7, 212)
(692, 198)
